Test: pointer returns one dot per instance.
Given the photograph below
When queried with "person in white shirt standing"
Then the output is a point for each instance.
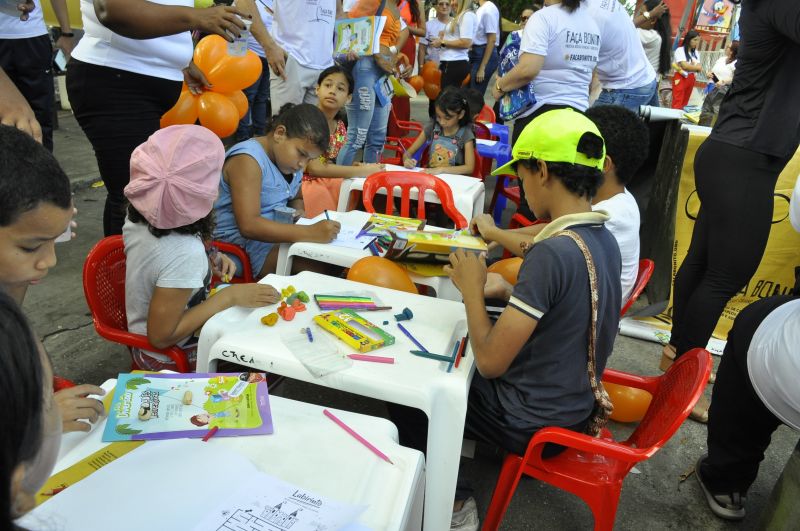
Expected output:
(302, 47)
(254, 123)
(455, 43)
(483, 57)
(627, 77)
(433, 28)
(559, 51)
(26, 55)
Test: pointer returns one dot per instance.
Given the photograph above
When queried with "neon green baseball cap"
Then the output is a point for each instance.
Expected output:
(553, 137)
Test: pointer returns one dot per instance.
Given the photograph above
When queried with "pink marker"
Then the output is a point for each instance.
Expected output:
(356, 436)
(367, 357)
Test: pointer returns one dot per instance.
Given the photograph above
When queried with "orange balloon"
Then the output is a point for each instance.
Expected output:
(234, 73)
(430, 74)
(379, 271)
(417, 82)
(466, 80)
(210, 51)
(508, 269)
(429, 66)
(630, 404)
(432, 91)
(240, 100)
(437, 78)
(218, 113)
(183, 112)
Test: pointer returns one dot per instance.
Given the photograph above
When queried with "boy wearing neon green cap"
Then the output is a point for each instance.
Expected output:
(532, 363)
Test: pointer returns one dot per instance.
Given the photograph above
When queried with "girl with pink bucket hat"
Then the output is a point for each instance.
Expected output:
(174, 182)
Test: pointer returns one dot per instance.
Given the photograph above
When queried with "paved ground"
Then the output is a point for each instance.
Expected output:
(654, 497)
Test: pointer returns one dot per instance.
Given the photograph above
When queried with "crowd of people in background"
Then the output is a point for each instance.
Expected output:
(313, 120)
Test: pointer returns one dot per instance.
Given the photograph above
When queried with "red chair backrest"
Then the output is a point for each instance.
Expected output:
(481, 131)
(486, 115)
(646, 268)
(406, 180)
(104, 283)
(678, 390)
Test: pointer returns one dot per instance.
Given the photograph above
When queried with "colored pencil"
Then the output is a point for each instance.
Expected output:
(454, 356)
(327, 216)
(412, 338)
(356, 436)
(430, 355)
(367, 357)
(210, 433)
(308, 333)
(462, 349)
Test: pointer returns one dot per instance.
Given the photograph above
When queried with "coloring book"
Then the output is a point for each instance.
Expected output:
(174, 406)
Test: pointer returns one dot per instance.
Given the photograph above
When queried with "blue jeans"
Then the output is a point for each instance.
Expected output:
(255, 121)
(630, 98)
(366, 117)
(475, 58)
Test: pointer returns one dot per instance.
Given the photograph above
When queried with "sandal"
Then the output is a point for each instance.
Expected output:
(700, 411)
(726, 506)
(668, 357)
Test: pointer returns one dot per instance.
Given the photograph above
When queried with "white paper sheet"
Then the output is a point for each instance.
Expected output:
(351, 224)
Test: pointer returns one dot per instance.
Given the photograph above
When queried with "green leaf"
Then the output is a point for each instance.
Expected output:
(134, 383)
(125, 429)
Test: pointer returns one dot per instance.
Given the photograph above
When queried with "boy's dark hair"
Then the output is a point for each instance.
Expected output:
(29, 175)
(203, 228)
(304, 121)
(627, 138)
(336, 69)
(452, 101)
(579, 179)
(475, 101)
(21, 396)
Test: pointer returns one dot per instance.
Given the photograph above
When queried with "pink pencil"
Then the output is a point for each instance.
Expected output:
(367, 357)
(357, 437)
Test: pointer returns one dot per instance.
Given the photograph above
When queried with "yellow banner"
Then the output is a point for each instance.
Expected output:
(73, 7)
(775, 274)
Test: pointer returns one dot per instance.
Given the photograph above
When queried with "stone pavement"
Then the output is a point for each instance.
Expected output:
(653, 497)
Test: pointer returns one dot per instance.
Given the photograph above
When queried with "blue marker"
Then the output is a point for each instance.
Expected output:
(308, 333)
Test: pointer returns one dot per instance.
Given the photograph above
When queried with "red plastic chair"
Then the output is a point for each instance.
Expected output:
(501, 189)
(104, 288)
(594, 468)
(406, 180)
(486, 115)
(401, 128)
(246, 274)
(479, 170)
(646, 268)
(60, 383)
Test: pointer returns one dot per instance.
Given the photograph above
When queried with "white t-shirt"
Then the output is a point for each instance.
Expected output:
(570, 43)
(794, 206)
(622, 63)
(624, 225)
(651, 42)
(680, 57)
(11, 27)
(724, 70)
(464, 29)
(488, 22)
(266, 18)
(304, 28)
(172, 261)
(162, 57)
(773, 362)
(433, 28)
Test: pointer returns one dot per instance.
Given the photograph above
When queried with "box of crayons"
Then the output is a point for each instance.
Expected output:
(354, 330)
(425, 247)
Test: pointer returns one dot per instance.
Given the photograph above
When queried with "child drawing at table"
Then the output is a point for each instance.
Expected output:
(263, 174)
(452, 142)
(323, 177)
(532, 363)
(174, 182)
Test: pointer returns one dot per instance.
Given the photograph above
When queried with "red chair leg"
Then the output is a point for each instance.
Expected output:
(603, 503)
(503, 492)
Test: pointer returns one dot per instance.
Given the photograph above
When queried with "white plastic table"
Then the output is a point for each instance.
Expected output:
(237, 335)
(300, 451)
(469, 193)
(346, 257)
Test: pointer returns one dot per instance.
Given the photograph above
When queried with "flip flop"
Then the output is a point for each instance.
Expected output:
(726, 506)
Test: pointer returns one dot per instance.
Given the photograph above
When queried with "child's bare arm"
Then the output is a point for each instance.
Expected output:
(317, 168)
(408, 160)
(168, 320)
(243, 175)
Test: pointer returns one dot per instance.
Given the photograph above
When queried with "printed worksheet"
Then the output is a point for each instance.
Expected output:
(264, 503)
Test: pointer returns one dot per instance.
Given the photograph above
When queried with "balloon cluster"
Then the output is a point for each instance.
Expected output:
(430, 80)
(220, 108)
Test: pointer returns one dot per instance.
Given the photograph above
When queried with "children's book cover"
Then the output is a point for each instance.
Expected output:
(431, 247)
(358, 35)
(175, 406)
(381, 224)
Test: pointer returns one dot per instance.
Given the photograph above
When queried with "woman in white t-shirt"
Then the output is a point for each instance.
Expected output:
(433, 29)
(687, 65)
(722, 71)
(455, 43)
(559, 51)
(127, 71)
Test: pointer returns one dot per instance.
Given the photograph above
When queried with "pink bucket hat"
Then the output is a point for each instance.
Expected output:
(175, 175)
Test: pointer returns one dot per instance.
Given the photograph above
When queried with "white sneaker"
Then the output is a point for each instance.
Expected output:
(467, 518)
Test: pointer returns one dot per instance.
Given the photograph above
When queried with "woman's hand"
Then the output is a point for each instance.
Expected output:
(195, 79)
(468, 272)
(224, 21)
(480, 75)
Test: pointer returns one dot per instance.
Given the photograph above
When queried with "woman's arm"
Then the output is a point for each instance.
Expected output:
(243, 175)
(140, 19)
(15, 110)
(529, 66)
